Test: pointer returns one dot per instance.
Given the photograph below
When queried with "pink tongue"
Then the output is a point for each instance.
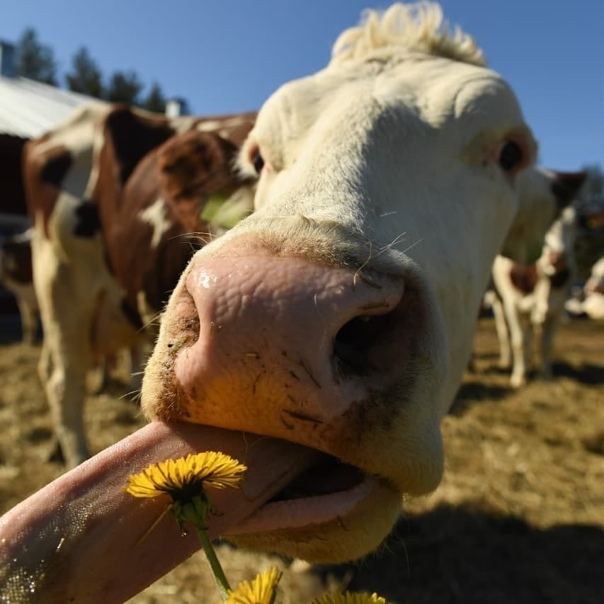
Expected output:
(77, 539)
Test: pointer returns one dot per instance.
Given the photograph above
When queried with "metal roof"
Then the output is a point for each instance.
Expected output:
(29, 109)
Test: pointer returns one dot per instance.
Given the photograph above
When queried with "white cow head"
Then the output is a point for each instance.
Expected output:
(340, 314)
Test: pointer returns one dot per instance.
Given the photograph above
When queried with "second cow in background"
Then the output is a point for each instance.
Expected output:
(528, 300)
(116, 194)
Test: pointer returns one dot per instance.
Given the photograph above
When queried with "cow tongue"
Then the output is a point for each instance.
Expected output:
(80, 537)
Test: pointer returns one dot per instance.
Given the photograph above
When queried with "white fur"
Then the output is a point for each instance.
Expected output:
(415, 27)
(447, 201)
(155, 216)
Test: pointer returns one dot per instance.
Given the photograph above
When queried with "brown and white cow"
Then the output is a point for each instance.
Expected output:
(106, 190)
(323, 338)
(530, 300)
(547, 193)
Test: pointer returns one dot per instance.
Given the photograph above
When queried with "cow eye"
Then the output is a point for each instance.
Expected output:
(510, 156)
(258, 162)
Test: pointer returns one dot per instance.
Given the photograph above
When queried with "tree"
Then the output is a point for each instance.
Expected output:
(155, 100)
(35, 60)
(85, 76)
(124, 87)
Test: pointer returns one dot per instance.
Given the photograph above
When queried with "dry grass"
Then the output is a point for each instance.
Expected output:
(519, 516)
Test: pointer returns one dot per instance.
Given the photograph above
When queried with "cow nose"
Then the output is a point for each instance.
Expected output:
(283, 335)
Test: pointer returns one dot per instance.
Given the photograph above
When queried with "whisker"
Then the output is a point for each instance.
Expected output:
(357, 274)
(153, 320)
(394, 242)
(133, 395)
(412, 245)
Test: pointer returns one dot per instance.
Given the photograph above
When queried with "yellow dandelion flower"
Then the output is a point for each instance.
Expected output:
(350, 598)
(184, 480)
(187, 476)
(261, 590)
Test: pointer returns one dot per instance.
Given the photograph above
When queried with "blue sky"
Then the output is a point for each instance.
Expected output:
(230, 55)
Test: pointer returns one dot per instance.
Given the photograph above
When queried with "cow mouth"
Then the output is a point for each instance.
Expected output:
(327, 489)
(325, 478)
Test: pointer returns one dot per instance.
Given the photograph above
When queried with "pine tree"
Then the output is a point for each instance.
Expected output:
(155, 100)
(85, 76)
(35, 60)
(124, 87)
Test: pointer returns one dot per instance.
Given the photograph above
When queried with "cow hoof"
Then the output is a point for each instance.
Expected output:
(517, 382)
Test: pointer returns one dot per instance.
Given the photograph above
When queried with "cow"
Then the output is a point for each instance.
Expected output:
(589, 299)
(551, 191)
(16, 276)
(530, 300)
(115, 193)
(322, 339)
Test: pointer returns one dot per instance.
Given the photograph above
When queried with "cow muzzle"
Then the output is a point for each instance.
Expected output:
(326, 357)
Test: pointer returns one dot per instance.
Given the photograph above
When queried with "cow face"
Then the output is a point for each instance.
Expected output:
(543, 195)
(340, 314)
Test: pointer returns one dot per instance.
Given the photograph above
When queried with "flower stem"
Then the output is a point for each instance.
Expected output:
(208, 548)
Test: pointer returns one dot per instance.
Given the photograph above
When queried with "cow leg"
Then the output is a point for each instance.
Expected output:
(29, 321)
(97, 377)
(66, 314)
(518, 333)
(65, 384)
(529, 332)
(44, 374)
(547, 336)
(505, 353)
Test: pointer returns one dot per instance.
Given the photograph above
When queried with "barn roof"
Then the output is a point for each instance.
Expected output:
(28, 109)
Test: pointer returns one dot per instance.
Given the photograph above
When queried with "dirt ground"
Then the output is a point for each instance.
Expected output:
(519, 516)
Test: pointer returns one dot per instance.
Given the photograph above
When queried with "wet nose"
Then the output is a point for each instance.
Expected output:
(289, 337)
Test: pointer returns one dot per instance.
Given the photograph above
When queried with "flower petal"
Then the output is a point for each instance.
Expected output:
(261, 590)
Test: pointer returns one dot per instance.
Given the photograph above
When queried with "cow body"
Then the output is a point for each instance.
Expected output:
(530, 300)
(99, 245)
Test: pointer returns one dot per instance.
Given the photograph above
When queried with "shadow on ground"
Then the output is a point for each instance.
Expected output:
(585, 373)
(472, 392)
(460, 555)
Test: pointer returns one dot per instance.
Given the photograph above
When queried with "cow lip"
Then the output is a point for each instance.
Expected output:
(304, 512)
(327, 490)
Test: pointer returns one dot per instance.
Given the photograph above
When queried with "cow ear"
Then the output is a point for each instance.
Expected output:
(566, 186)
(131, 135)
(189, 164)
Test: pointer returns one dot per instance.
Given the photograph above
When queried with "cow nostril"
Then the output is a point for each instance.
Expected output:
(357, 345)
